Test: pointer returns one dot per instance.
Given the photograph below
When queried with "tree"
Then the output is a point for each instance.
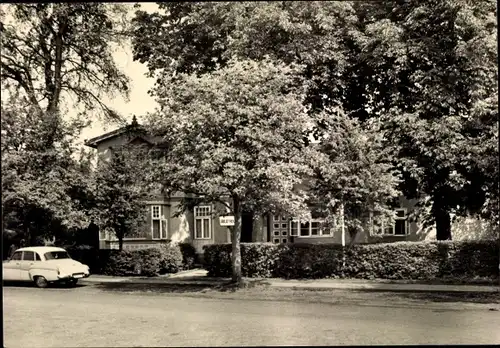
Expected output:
(53, 57)
(353, 174)
(120, 192)
(235, 137)
(54, 53)
(45, 192)
(421, 67)
(434, 79)
(201, 37)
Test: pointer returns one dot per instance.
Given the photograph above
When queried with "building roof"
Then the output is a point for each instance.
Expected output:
(94, 142)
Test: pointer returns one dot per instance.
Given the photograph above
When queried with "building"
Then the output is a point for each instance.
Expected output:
(201, 226)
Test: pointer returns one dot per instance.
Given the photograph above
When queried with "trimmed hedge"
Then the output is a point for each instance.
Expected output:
(258, 259)
(189, 256)
(400, 260)
(147, 262)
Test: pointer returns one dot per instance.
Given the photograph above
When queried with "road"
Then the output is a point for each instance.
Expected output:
(88, 316)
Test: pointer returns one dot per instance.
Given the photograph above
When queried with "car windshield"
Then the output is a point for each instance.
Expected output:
(56, 255)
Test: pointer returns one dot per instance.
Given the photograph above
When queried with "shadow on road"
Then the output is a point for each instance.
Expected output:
(474, 297)
(198, 287)
(51, 286)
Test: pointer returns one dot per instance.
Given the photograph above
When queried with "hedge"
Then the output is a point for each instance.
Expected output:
(149, 262)
(189, 256)
(400, 260)
(259, 259)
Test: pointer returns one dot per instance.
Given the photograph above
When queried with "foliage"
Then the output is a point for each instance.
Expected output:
(120, 263)
(53, 57)
(202, 37)
(171, 259)
(236, 137)
(400, 260)
(353, 175)
(426, 70)
(434, 85)
(189, 256)
(307, 261)
(55, 53)
(147, 262)
(120, 192)
(257, 259)
(45, 192)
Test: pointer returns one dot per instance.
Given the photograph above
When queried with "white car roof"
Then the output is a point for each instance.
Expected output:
(41, 249)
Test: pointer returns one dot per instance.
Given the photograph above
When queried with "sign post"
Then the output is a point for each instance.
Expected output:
(226, 220)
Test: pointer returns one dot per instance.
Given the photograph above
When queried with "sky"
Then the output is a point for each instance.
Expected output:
(139, 101)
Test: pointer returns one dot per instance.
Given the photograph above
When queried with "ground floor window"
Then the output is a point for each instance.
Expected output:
(398, 228)
(158, 223)
(203, 222)
(309, 228)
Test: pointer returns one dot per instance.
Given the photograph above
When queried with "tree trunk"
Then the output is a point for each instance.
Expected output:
(353, 233)
(235, 239)
(443, 221)
(120, 241)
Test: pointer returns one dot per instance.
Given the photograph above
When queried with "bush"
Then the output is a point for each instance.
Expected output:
(400, 260)
(147, 262)
(171, 258)
(308, 261)
(189, 257)
(217, 260)
(258, 259)
(120, 263)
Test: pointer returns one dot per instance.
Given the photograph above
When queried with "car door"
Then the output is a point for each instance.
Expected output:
(26, 263)
(11, 268)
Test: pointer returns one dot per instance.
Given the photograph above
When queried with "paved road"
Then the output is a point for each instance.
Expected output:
(89, 316)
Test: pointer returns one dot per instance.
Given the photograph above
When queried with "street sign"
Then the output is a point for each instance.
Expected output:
(226, 220)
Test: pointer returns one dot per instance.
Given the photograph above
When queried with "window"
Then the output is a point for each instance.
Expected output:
(398, 228)
(401, 223)
(158, 223)
(55, 255)
(37, 257)
(102, 234)
(280, 228)
(203, 222)
(17, 255)
(309, 228)
(28, 256)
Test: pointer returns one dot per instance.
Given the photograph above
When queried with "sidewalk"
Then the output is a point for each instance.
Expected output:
(198, 277)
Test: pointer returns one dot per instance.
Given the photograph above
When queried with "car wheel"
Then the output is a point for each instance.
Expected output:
(72, 282)
(41, 282)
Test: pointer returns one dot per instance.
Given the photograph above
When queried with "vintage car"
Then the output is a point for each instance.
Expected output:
(43, 265)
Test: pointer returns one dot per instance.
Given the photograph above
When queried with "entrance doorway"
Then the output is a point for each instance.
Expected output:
(246, 227)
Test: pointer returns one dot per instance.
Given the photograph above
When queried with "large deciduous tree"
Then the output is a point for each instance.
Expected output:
(54, 58)
(57, 53)
(45, 193)
(434, 85)
(235, 137)
(426, 69)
